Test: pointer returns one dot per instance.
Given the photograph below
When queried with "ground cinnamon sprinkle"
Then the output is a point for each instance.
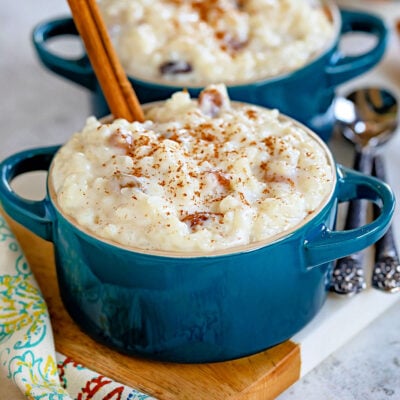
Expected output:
(243, 199)
(270, 142)
(223, 179)
(198, 218)
(252, 114)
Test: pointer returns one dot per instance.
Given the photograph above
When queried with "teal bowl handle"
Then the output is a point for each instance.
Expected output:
(331, 245)
(34, 215)
(77, 70)
(343, 68)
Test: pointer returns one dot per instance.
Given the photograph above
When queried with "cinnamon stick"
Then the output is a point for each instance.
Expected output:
(118, 91)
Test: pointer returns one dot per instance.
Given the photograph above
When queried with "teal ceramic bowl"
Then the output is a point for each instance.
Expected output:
(190, 308)
(305, 94)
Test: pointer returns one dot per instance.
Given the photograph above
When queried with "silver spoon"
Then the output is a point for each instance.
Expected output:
(368, 118)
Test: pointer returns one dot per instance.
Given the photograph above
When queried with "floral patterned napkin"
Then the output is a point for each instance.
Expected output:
(27, 353)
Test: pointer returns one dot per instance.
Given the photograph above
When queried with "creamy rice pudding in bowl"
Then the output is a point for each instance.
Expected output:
(280, 54)
(194, 43)
(203, 234)
(193, 177)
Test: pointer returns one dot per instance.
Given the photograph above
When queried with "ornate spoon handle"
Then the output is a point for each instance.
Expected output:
(386, 271)
(348, 272)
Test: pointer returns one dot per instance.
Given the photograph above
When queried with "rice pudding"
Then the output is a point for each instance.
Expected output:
(198, 175)
(197, 42)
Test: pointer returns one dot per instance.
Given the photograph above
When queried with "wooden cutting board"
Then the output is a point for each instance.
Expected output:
(259, 377)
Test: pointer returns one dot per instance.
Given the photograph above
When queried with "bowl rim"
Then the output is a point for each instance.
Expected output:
(330, 8)
(229, 251)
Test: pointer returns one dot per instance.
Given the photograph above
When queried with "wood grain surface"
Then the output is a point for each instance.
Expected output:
(259, 377)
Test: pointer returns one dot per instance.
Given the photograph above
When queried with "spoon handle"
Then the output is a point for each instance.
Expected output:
(386, 271)
(348, 272)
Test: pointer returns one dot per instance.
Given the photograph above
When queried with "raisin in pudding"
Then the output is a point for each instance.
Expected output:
(197, 42)
(197, 175)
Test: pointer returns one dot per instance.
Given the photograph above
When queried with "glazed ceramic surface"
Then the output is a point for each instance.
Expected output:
(305, 94)
(179, 308)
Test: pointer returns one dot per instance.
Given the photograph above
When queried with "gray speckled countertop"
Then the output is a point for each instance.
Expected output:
(38, 108)
(366, 368)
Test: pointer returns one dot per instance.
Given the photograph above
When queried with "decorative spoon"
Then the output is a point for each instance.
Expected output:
(367, 118)
(386, 271)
